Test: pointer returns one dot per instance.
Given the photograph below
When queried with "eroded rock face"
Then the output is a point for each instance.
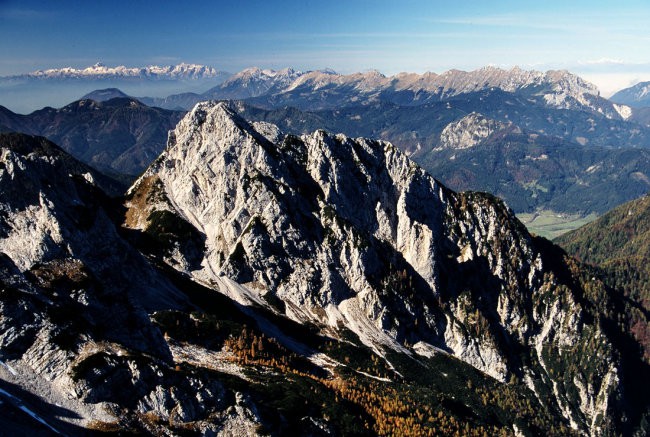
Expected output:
(350, 233)
(468, 132)
(56, 233)
(322, 222)
(75, 301)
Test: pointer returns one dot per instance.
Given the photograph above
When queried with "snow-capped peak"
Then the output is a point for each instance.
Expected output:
(100, 70)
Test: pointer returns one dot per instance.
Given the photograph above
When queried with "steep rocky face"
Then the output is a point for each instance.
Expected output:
(54, 228)
(349, 233)
(75, 300)
(468, 132)
(40, 146)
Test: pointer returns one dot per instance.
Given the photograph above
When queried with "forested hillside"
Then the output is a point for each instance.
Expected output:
(618, 244)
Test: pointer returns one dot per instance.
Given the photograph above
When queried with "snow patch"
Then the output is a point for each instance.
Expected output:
(623, 110)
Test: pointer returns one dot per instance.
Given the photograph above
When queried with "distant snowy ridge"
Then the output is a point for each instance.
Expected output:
(562, 84)
(326, 89)
(101, 71)
(451, 82)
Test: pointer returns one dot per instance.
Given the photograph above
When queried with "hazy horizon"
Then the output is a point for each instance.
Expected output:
(603, 42)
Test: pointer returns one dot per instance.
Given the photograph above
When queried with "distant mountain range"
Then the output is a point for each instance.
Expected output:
(323, 88)
(101, 71)
(548, 139)
(25, 93)
(317, 90)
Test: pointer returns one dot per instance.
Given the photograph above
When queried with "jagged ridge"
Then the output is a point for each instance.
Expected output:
(318, 90)
(101, 71)
(344, 232)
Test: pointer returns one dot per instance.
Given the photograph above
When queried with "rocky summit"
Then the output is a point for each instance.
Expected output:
(349, 234)
(255, 282)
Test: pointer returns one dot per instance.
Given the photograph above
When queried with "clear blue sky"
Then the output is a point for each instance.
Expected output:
(605, 41)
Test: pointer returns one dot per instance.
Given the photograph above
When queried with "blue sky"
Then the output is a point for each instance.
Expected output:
(604, 41)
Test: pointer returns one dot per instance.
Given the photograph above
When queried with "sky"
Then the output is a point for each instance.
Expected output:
(605, 42)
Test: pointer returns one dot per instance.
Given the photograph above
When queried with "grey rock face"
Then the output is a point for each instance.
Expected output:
(74, 295)
(350, 233)
(468, 132)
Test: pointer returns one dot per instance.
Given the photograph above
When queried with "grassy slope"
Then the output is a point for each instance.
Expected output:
(551, 224)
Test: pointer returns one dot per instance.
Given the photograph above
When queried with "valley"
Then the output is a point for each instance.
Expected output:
(550, 224)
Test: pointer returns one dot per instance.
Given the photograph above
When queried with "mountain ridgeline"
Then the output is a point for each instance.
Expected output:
(253, 281)
(316, 90)
(348, 235)
(541, 141)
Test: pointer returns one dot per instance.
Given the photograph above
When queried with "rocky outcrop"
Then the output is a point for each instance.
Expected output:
(76, 297)
(468, 132)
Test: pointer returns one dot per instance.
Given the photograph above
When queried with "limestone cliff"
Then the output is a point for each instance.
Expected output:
(349, 233)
